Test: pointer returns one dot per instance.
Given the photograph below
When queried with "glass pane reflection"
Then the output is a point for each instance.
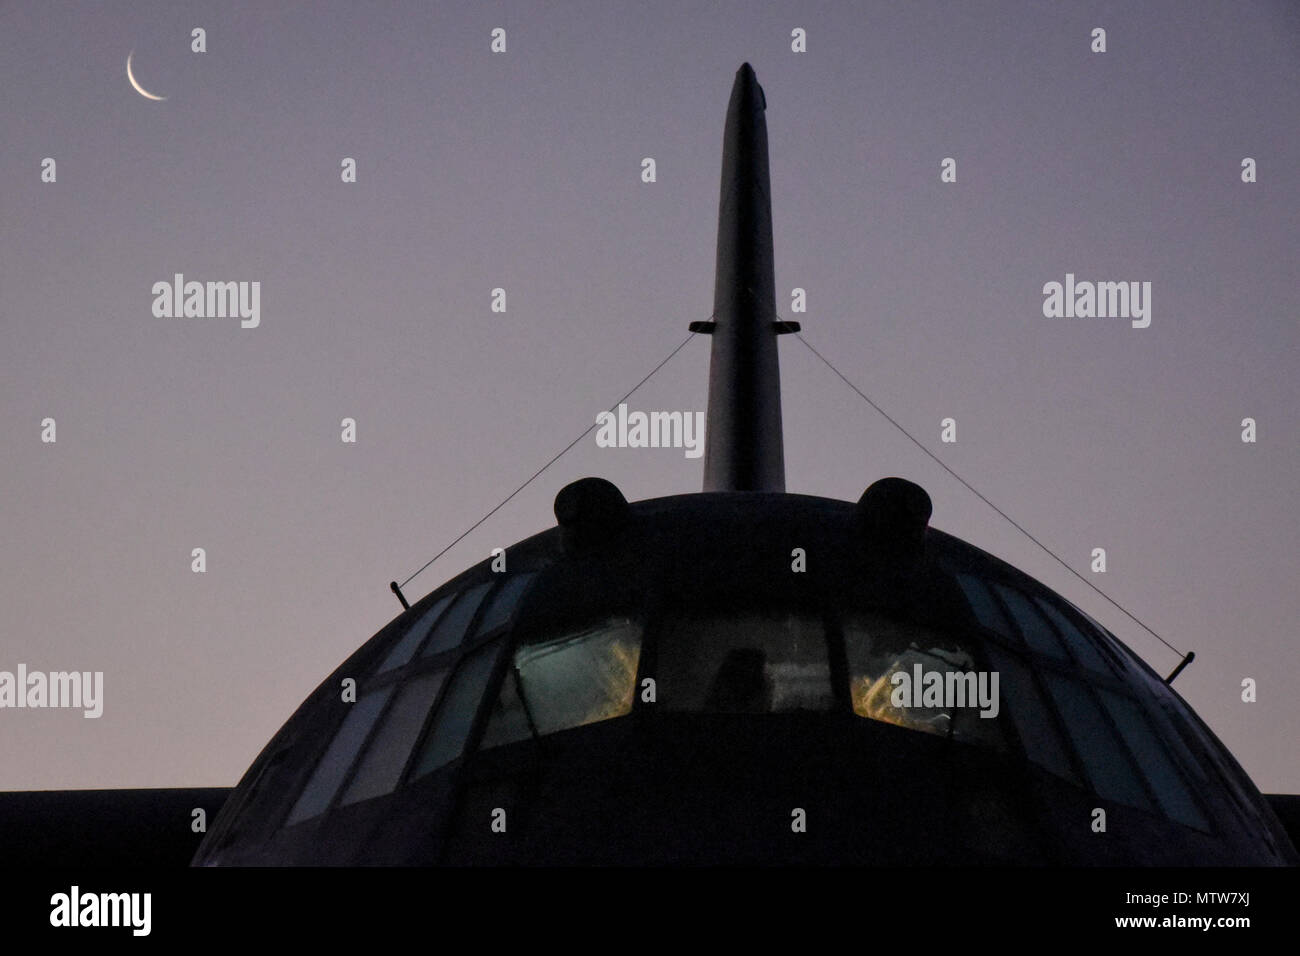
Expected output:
(568, 681)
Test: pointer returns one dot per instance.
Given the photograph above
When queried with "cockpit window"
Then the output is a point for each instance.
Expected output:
(1067, 701)
(1040, 738)
(744, 663)
(983, 605)
(451, 627)
(1081, 643)
(1169, 785)
(905, 674)
(502, 604)
(404, 648)
(581, 677)
(1113, 773)
(390, 746)
(1031, 671)
(334, 764)
(454, 718)
(1037, 632)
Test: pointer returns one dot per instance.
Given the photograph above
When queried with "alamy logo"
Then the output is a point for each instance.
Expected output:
(1102, 300)
(77, 689)
(946, 689)
(652, 430)
(75, 908)
(208, 300)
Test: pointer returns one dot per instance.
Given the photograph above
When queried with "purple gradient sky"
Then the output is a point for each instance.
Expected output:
(522, 171)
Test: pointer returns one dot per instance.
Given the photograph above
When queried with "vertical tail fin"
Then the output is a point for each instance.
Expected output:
(743, 444)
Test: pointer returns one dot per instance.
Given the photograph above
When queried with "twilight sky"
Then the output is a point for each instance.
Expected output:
(522, 170)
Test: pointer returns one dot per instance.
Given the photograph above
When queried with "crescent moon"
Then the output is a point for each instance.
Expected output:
(138, 88)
